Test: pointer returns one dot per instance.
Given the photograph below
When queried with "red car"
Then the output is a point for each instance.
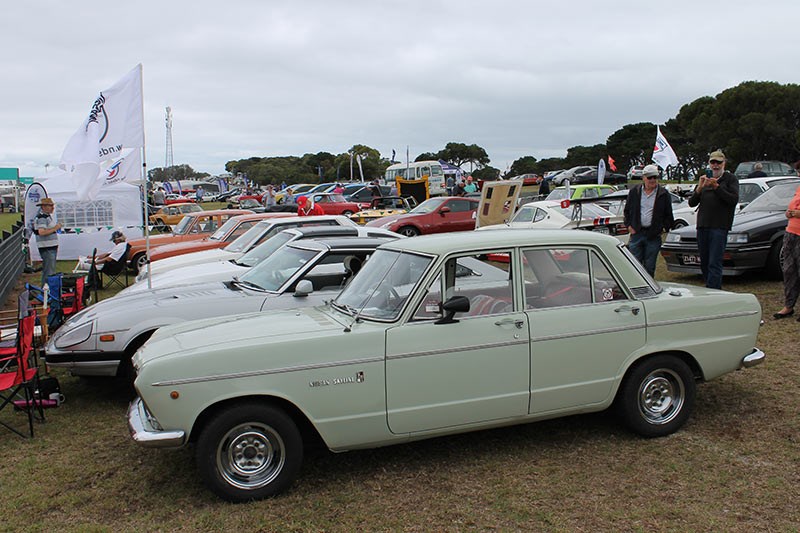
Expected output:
(435, 215)
(335, 204)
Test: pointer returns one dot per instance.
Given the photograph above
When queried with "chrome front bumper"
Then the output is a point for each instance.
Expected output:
(145, 434)
(756, 357)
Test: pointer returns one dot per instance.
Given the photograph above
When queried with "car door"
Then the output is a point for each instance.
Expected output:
(461, 217)
(470, 371)
(583, 327)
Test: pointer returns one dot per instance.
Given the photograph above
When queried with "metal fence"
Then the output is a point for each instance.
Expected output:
(12, 260)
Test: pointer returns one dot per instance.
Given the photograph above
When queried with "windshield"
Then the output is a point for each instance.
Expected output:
(223, 230)
(557, 194)
(246, 239)
(774, 199)
(274, 271)
(183, 226)
(383, 285)
(428, 206)
(265, 249)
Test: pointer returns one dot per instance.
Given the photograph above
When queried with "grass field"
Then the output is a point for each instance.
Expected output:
(734, 467)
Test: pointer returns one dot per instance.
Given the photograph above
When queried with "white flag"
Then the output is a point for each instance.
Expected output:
(601, 171)
(113, 130)
(663, 154)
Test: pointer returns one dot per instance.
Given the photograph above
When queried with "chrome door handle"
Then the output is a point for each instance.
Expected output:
(507, 321)
(633, 309)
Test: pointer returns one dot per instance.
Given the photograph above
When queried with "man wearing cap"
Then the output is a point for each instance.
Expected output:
(116, 253)
(648, 213)
(306, 207)
(45, 228)
(715, 196)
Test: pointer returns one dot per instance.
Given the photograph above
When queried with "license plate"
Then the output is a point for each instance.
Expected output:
(691, 259)
(602, 229)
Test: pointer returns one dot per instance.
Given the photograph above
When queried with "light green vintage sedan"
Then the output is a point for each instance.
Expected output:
(437, 335)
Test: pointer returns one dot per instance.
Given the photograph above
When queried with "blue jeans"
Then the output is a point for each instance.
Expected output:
(645, 251)
(48, 262)
(711, 245)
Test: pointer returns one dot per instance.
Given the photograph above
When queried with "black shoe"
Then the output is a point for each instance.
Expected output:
(778, 316)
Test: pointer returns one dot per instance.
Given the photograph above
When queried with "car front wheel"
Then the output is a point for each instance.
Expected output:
(657, 396)
(408, 231)
(249, 451)
(679, 224)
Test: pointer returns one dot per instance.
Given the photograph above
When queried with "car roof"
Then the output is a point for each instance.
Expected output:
(445, 243)
(232, 212)
(341, 243)
(289, 217)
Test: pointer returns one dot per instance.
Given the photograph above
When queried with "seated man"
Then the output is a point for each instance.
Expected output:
(116, 253)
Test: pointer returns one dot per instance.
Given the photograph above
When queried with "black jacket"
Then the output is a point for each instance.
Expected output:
(717, 206)
(662, 212)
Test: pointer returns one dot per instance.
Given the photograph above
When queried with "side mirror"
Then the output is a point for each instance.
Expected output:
(444, 210)
(456, 304)
(303, 288)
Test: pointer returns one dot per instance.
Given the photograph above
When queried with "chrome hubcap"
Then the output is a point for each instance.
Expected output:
(250, 456)
(661, 396)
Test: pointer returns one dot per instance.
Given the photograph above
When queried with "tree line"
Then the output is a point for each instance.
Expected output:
(752, 121)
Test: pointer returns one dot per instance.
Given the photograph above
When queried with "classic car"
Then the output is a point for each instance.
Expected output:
(420, 344)
(227, 270)
(580, 191)
(749, 190)
(171, 215)
(435, 215)
(384, 206)
(287, 194)
(193, 226)
(100, 340)
(231, 230)
(253, 205)
(549, 214)
(245, 242)
(361, 193)
(174, 198)
(334, 204)
(754, 241)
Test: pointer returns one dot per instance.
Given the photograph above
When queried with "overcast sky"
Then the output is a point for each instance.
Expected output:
(266, 78)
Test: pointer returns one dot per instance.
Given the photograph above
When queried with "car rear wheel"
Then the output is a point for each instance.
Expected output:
(408, 231)
(657, 396)
(347, 213)
(249, 451)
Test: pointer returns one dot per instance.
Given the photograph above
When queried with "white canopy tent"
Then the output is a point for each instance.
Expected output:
(88, 224)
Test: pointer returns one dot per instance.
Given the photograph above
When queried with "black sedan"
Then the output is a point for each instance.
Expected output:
(754, 242)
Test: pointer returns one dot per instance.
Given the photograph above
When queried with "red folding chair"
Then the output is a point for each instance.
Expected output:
(19, 377)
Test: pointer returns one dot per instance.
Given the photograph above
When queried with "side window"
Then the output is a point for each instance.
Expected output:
(486, 283)
(590, 193)
(748, 192)
(557, 278)
(606, 287)
(540, 215)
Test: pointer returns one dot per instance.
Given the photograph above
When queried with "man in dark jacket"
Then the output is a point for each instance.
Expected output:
(717, 196)
(648, 213)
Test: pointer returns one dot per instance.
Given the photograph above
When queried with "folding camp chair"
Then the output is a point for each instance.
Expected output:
(111, 272)
(19, 378)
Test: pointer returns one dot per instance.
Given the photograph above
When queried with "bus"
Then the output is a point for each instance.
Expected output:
(418, 170)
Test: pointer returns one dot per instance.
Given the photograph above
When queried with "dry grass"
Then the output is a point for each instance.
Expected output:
(734, 467)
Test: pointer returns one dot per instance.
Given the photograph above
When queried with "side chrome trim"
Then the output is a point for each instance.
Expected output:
(456, 349)
(571, 335)
(253, 373)
(701, 318)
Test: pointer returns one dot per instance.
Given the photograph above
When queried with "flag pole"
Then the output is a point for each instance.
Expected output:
(146, 186)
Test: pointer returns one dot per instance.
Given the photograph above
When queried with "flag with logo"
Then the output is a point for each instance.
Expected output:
(112, 131)
(612, 164)
(663, 154)
(601, 171)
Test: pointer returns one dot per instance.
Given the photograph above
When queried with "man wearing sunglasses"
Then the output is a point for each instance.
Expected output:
(648, 213)
(716, 196)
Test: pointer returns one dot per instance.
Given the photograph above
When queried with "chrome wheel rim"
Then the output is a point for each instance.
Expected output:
(409, 232)
(661, 396)
(251, 456)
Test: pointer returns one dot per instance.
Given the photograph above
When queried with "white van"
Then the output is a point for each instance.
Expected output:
(418, 170)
